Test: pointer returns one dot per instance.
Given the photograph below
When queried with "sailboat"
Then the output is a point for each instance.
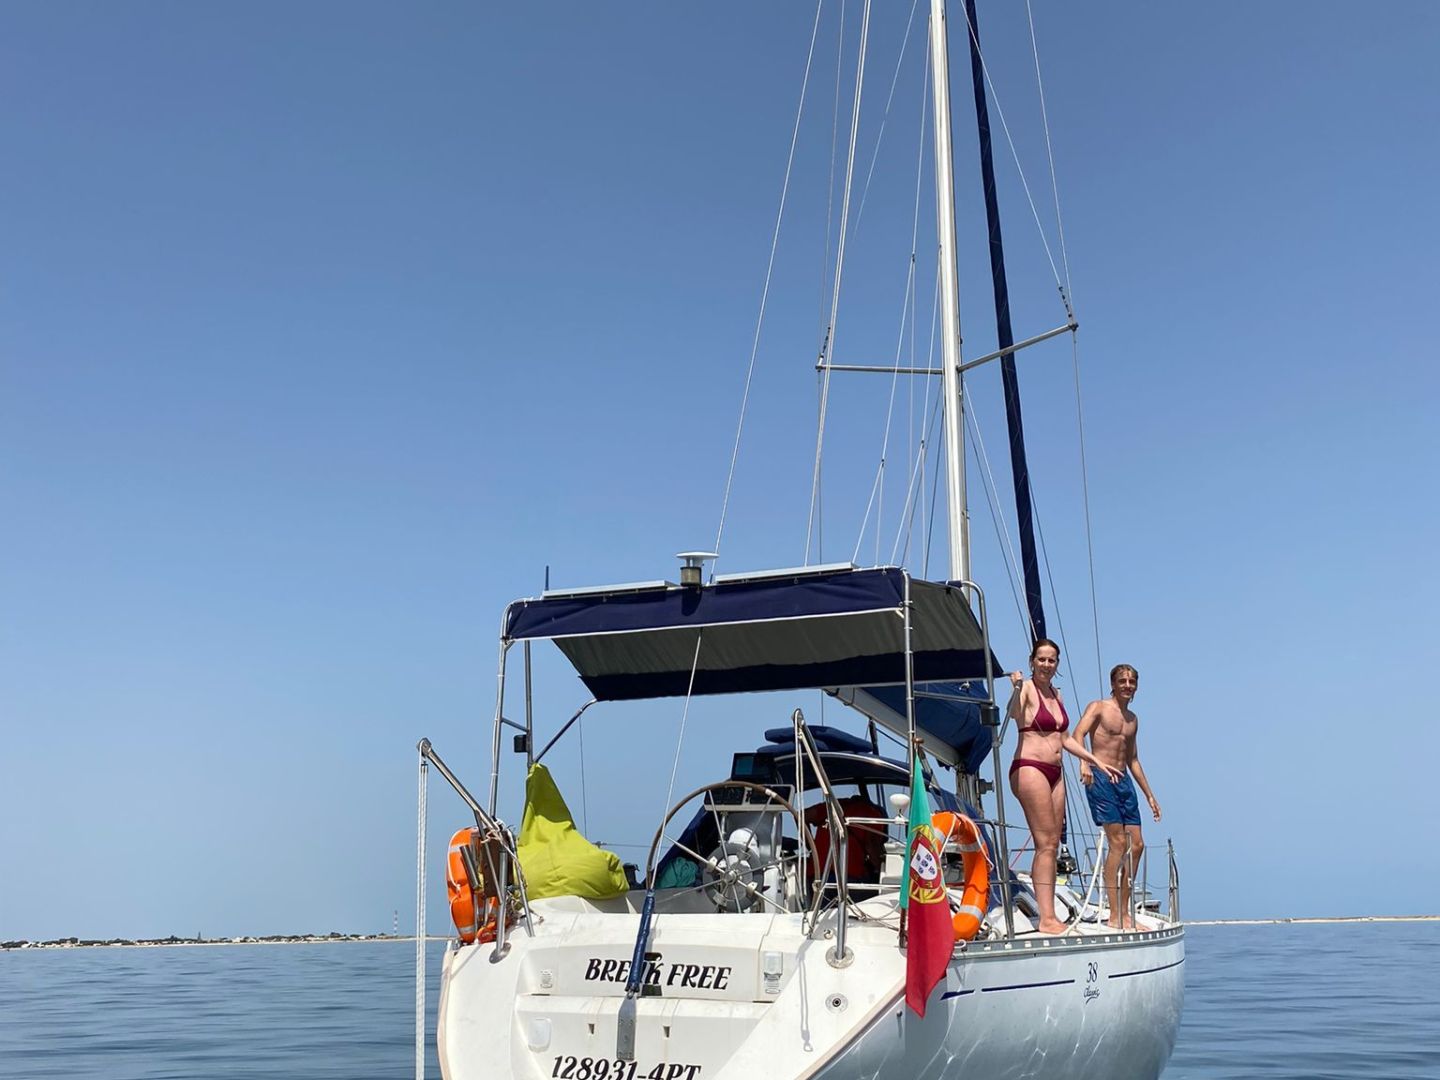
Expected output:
(773, 927)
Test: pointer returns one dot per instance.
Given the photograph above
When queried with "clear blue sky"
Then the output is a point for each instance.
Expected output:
(325, 328)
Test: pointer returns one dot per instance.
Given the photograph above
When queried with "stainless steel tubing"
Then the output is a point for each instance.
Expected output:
(472, 875)
(1127, 871)
(502, 887)
(499, 717)
(566, 727)
(839, 839)
(797, 722)
(487, 824)
(1174, 883)
(483, 817)
(529, 713)
(1069, 327)
(1001, 834)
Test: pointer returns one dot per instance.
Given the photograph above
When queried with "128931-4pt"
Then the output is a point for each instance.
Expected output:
(570, 1067)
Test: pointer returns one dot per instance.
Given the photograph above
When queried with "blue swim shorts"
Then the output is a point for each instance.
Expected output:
(1113, 803)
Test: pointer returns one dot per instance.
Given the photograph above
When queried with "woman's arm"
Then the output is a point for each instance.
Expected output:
(1019, 687)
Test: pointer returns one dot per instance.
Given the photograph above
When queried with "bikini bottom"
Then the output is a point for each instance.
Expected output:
(1050, 772)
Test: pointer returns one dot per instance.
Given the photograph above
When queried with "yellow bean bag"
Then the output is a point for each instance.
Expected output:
(556, 859)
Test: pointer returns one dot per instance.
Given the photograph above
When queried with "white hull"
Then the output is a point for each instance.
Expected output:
(762, 1000)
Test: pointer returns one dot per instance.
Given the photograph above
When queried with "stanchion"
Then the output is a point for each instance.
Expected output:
(420, 923)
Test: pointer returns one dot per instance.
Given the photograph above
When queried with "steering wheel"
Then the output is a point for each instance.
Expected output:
(734, 876)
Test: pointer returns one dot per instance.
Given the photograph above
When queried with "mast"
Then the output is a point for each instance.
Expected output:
(959, 532)
(1005, 338)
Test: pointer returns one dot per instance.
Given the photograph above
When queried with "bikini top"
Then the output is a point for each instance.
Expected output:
(1045, 723)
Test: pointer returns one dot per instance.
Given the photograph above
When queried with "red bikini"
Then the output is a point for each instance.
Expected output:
(1045, 724)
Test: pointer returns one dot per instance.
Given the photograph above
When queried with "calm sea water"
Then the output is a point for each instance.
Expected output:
(1312, 1001)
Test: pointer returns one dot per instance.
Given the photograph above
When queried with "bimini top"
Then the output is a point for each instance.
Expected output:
(821, 627)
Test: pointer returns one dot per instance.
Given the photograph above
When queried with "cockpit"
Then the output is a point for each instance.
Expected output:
(745, 847)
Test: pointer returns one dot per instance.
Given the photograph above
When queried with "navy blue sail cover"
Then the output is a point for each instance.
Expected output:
(807, 629)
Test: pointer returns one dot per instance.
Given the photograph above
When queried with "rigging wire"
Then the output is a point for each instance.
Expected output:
(830, 187)
(839, 273)
(929, 535)
(765, 291)
(1071, 768)
(910, 439)
(914, 297)
(1064, 288)
(997, 517)
(1085, 494)
(926, 512)
(915, 488)
(880, 136)
(684, 716)
(878, 487)
(915, 493)
(917, 483)
(1015, 156)
(925, 441)
(1050, 580)
(826, 330)
(909, 411)
(1069, 297)
(1050, 154)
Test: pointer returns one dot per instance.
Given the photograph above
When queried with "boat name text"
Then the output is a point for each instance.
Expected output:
(693, 976)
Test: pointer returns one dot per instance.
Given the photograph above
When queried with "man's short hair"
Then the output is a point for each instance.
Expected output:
(1118, 668)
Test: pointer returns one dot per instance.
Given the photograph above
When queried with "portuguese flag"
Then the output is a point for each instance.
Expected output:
(932, 936)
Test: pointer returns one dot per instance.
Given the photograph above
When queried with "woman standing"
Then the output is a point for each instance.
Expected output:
(1036, 777)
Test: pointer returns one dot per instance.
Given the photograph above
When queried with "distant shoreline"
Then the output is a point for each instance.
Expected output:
(331, 939)
(178, 942)
(1315, 919)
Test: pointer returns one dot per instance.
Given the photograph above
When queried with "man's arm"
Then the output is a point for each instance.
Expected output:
(1082, 730)
(1075, 743)
(1138, 771)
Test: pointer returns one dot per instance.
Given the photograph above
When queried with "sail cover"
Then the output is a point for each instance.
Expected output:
(831, 627)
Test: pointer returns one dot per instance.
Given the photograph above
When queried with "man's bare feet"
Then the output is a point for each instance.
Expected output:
(1054, 926)
(1114, 925)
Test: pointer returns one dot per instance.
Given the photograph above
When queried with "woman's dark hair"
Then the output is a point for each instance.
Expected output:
(1042, 641)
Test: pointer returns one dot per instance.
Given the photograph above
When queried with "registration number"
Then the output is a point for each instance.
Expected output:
(570, 1067)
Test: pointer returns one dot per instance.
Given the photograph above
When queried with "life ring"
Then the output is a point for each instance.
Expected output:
(962, 835)
(462, 897)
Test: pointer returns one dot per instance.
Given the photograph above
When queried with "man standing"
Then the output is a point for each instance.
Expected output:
(1111, 727)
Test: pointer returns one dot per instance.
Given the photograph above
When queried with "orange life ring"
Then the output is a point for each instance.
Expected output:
(462, 898)
(962, 835)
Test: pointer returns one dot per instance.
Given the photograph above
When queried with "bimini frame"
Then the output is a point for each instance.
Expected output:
(861, 627)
